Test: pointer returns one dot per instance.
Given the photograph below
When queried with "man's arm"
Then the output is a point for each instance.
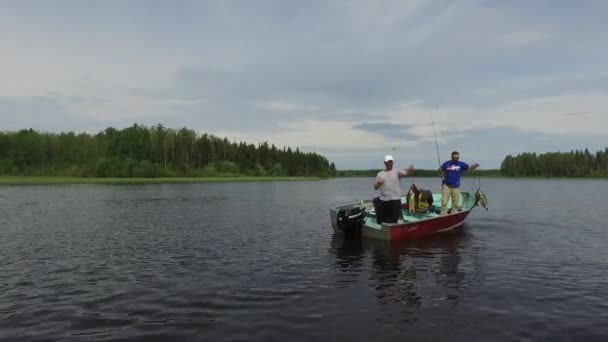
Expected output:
(379, 182)
(441, 171)
(408, 172)
(474, 166)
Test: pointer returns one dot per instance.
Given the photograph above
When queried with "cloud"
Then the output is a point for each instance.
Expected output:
(389, 130)
(350, 79)
(525, 38)
(318, 135)
(287, 106)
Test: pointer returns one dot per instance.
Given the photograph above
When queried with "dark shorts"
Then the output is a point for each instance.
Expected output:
(387, 211)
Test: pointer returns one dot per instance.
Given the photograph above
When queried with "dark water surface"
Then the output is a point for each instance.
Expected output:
(258, 262)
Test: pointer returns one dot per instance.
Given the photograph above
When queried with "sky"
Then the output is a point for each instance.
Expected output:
(352, 80)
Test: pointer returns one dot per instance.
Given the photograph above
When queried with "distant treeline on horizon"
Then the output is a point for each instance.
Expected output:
(575, 164)
(418, 173)
(557, 164)
(157, 151)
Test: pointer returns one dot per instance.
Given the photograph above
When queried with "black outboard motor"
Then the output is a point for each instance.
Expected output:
(350, 220)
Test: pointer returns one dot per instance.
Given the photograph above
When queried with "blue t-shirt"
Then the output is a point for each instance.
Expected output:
(452, 172)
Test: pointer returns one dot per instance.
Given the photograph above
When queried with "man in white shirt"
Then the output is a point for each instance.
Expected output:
(388, 203)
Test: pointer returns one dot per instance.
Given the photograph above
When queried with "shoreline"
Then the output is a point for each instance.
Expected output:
(498, 177)
(49, 180)
(66, 180)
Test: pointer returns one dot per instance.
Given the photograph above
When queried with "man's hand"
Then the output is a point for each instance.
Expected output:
(406, 172)
(474, 166)
(410, 170)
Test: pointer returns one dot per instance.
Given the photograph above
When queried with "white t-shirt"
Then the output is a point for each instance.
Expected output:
(391, 189)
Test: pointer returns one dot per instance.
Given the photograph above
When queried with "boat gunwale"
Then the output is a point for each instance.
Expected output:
(424, 219)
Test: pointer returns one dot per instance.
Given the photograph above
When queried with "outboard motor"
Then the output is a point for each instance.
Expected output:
(350, 220)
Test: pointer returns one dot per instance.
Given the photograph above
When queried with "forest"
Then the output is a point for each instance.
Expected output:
(156, 151)
(557, 164)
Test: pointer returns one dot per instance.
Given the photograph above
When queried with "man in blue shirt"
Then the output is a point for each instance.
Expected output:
(451, 171)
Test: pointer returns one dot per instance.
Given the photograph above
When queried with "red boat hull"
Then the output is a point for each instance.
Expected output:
(414, 230)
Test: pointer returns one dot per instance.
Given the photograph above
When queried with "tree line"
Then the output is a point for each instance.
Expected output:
(557, 164)
(574, 164)
(156, 151)
(417, 173)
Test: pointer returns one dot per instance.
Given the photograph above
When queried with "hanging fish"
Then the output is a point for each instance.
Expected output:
(481, 199)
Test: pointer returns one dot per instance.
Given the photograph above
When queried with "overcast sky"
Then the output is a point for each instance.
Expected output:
(352, 80)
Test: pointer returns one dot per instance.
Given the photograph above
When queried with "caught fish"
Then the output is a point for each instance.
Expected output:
(481, 199)
(411, 201)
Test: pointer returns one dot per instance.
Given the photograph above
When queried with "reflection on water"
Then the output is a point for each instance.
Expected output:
(404, 275)
(258, 262)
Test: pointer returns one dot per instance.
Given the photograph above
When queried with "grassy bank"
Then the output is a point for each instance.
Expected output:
(17, 180)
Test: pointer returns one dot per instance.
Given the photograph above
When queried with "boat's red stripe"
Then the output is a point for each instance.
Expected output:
(417, 229)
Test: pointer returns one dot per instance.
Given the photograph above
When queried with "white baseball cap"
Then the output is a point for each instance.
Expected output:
(388, 157)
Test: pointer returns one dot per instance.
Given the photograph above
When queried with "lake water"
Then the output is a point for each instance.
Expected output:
(259, 262)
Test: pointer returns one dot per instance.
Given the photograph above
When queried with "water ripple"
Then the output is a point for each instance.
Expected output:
(258, 262)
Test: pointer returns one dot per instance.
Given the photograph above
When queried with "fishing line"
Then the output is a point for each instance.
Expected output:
(437, 149)
(436, 144)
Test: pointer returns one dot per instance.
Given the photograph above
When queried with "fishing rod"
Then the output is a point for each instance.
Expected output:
(436, 144)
